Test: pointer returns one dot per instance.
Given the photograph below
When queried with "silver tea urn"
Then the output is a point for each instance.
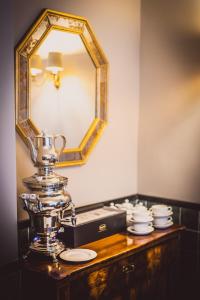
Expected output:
(48, 198)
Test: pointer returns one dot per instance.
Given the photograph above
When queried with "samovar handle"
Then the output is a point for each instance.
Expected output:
(59, 151)
(32, 149)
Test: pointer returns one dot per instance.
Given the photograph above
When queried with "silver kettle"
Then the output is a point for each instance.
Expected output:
(43, 149)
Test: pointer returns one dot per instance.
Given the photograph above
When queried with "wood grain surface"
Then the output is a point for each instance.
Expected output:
(107, 249)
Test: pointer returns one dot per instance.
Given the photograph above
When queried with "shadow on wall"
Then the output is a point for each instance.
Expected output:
(169, 125)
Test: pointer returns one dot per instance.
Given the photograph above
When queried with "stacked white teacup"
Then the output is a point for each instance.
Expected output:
(128, 207)
(141, 220)
(162, 216)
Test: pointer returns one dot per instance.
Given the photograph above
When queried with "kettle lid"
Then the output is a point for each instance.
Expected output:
(43, 134)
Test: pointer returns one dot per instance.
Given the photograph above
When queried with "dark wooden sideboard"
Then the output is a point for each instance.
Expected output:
(126, 267)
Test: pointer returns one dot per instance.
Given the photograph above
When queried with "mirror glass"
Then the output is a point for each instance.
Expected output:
(68, 109)
(61, 84)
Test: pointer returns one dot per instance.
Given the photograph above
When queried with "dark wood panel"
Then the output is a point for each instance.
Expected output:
(173, 202)
(10, 281)
(37, 286)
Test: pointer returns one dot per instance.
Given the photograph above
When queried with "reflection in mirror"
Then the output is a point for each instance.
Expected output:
(63, 86)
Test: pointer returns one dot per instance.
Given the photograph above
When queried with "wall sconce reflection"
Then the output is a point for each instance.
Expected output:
(36, 65)
(55, 66)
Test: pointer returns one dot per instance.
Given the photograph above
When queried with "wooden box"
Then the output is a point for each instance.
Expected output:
(93, 225)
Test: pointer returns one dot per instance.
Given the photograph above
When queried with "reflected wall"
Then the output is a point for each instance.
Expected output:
(68, 109)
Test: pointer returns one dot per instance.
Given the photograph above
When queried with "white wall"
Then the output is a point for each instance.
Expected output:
(169, 119)
(111, 170)
(8, 211)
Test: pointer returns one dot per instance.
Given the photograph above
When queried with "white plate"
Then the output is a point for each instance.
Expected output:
(78, 255)
(163, 215)
(141, 221)
(168, 224)
(131, 230)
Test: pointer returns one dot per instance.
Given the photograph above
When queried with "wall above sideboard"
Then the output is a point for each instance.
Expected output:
(116, 153)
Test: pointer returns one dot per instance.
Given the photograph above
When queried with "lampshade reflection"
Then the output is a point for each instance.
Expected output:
(36, 65)
(55, 65)
(55, 62)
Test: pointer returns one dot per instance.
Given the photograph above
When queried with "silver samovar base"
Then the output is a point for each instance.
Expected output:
(49, 250)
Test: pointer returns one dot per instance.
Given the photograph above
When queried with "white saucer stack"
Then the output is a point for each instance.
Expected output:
(162, 216)
(141, 220)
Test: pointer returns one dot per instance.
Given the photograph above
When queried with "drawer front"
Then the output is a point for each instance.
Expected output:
(109, 282)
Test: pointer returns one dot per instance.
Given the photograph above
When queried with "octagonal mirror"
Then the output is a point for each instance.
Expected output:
(61, 84)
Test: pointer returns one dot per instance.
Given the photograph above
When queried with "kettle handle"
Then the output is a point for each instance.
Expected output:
(59, 151)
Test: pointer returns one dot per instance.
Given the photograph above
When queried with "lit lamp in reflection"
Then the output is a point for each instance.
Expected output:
(36, 65)
(55, 66)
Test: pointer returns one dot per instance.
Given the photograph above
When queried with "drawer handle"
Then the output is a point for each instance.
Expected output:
(128, 268)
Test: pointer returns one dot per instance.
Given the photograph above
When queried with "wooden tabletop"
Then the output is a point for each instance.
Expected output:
(107, 249)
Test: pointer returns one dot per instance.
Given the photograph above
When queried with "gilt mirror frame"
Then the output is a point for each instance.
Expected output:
(25, 126)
